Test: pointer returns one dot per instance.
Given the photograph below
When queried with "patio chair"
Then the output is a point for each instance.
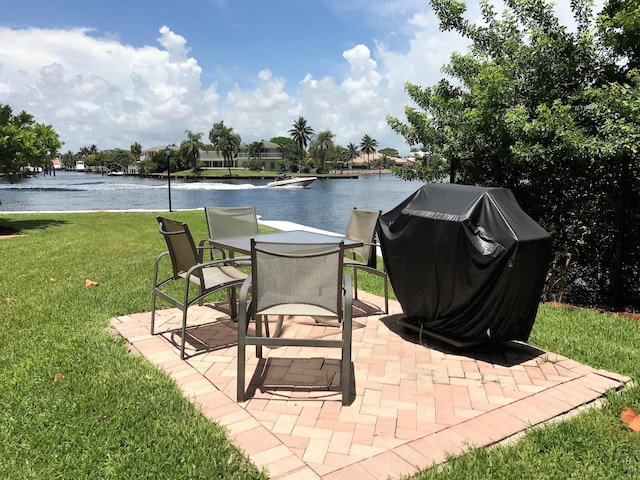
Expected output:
(187, 266)
(295, 279)
(230, 222)
(362, 227)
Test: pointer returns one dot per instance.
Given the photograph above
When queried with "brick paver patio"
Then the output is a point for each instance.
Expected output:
(414, 400)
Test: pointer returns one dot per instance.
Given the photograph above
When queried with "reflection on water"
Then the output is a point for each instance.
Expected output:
(325, 204)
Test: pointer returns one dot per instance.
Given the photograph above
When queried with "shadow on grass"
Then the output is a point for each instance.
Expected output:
(9, 226)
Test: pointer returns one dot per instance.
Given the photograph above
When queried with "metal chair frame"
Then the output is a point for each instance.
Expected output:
(186, 263)
(362, 227)
(290, 306)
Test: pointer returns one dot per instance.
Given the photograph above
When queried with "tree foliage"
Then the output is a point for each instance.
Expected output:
(552, 114)
(619, 25)
(391, 152)
(23, 142)
(225, 141)
(136, 150)
(68, 159)
(292, 154)
(190, 149)
(322, 150)
(120, 158)
(301, 132)
(368, 146)
(255, 155)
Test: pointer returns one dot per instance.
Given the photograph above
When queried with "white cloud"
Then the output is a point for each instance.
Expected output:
(380, 10)
(100, 91)
(104, 92)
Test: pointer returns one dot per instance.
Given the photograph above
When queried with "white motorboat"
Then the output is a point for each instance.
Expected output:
(285, 181)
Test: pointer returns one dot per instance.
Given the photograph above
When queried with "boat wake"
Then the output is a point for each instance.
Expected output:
(213, 186)
(103, 186)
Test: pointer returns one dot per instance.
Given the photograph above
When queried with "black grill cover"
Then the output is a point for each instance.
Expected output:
(466, 262)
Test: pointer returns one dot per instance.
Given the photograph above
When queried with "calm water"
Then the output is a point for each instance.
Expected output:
(325, 204)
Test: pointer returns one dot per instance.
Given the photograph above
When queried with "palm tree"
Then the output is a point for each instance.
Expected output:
(255, 150)
(88, 154)
(368, 145)
(136, 149)
(69, 160)
(255, 155)
(225, 141)
(301, 132)
(352, 152)
(190, 148)
(323, 142)
(340, 157)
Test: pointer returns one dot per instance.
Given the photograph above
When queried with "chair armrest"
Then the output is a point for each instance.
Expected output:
(163, 254)
(202, 247)
(159, 258)
(213, 262)
(156, 269)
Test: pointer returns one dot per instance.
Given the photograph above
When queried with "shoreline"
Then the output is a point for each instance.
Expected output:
(351, 174)
(242, 177)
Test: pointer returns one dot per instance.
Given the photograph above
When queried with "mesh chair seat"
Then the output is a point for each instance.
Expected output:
(217, 277)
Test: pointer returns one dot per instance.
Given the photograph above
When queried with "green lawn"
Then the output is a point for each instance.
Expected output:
(109, 414)
(76, 404)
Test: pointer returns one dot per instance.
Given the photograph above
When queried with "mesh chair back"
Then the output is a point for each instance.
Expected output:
(180, 244)
(231, 221)
(362, 227)
(295, 273)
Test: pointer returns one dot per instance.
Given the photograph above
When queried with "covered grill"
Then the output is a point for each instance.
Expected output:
(466, 262)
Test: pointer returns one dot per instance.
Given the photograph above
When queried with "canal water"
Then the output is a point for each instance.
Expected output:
(325, 204)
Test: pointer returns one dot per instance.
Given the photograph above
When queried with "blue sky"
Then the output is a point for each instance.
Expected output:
(291, 37)
(111, 73)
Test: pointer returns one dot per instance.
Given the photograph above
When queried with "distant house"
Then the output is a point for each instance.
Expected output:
(212, 159)
(270, 156)
(362, 161)
(147, 154)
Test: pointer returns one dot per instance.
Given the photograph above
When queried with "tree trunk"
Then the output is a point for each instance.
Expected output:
(227, 160)
(452, 171)
(617, 293)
